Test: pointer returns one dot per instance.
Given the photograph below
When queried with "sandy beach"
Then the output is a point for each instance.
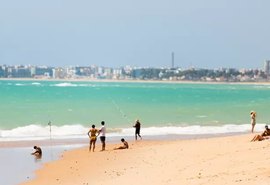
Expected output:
(133, 81)
(220, 160)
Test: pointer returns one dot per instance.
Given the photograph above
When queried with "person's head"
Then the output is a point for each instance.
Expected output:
(35, 147)
(93, 126)
(122, 139)
(103, 123)
(266, 126)
(137, 120)
(253, 113)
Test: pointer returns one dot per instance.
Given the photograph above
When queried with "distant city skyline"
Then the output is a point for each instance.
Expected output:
(204, 34)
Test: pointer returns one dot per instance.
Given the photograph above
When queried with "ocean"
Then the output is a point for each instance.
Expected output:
(26, 108)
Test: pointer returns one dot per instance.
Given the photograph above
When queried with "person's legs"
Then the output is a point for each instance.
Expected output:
(94, 145)
(254, 138)
(90, 144)
(252, 128)
(138, 133)
(102, 139)
(103, 145)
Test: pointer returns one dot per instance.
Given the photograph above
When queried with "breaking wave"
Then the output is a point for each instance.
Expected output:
(38, 132)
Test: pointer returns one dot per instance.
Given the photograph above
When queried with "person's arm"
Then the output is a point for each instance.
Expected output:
(36, 152)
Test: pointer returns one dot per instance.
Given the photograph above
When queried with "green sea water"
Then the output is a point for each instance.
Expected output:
(25, 103)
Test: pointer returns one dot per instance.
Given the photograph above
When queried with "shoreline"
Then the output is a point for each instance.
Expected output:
(133, 81)
(114, 139)
(217, 160)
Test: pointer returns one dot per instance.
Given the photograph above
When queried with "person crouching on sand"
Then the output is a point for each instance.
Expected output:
(92, 133)
(253, 120)
(37, 152)
(262, 136)
(125, 145)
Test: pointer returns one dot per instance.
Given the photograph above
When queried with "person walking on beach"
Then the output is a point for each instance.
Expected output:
(102, 133)
(125, 145)
(137, 127)
(92, 133)
(253, 120)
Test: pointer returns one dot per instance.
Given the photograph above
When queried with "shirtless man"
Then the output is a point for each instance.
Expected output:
(37, 152)
(125, 145)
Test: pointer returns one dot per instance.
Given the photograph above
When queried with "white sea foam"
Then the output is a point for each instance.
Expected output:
(36, 83)
(19, 84)
(65, 85)
(37, 132)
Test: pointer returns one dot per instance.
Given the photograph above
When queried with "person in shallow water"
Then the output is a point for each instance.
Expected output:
(37, 152)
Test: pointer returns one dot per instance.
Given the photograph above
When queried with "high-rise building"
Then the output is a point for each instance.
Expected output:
(267, 67)
(172, 60)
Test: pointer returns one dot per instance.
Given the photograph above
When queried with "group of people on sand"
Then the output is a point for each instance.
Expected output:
(93, 133)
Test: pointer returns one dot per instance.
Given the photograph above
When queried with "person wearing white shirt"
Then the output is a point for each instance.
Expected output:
(102, 133)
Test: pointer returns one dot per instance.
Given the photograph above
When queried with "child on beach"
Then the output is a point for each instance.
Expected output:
(92, 133)
(125, 145)
(253, 120)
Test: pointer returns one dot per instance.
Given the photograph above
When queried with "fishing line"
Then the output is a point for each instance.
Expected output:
(119, 109)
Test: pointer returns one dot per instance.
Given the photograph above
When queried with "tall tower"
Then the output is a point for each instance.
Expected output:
(172, 60)
(267, 67)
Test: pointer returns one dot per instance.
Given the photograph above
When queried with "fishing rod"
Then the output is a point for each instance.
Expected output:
(50, 124)
(51, 152)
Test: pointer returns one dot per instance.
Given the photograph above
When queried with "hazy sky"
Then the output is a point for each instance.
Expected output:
(201, 33)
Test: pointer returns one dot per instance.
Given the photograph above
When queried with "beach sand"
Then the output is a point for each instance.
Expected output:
(205, 161)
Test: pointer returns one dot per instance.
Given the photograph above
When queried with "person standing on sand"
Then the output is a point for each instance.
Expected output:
(92, 133)
(102, 133)
(137, 127)
(253, 120)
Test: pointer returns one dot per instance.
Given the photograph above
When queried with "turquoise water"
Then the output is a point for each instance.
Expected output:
(80, 104)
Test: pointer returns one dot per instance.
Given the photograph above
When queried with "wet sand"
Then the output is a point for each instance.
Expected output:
(18, 165)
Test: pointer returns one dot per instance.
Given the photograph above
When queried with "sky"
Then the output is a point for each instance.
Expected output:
(142, 33)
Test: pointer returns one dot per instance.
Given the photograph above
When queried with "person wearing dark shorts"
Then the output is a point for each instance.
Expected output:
(137, 127)
(102, 133)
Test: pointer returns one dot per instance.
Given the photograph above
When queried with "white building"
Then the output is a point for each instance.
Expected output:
(267, 67)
